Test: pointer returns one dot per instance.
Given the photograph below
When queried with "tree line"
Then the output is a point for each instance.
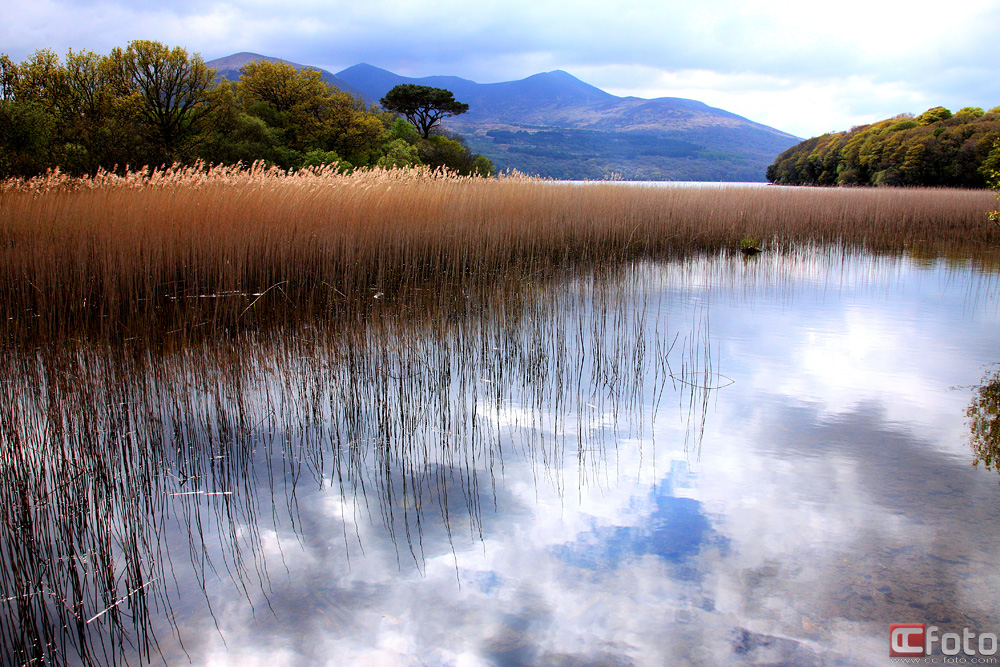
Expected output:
(936, 148)
(150, 104)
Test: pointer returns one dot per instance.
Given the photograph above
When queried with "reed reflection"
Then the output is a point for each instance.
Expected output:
(135, 475)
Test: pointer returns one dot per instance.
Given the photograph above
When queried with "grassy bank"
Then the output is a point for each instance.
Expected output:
(109, 249)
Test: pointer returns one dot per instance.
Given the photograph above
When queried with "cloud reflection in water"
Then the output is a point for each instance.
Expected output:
(517, 483)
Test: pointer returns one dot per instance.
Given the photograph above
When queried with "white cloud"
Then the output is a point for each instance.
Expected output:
(804, 68)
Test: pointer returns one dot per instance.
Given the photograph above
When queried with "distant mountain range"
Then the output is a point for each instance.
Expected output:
(555, 125)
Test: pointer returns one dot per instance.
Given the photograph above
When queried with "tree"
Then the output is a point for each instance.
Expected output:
(98, 128)
(990, 170)
(398, 153)
(970, 113)
(282, 86)
(233, 135)
(26, 138)
(352, 129)
(173, 89)
(450, 152)
(423, 106)
(150, 104)
(937, 148)
(311, 114)
(287, 99)
(8, 77)
(934, 115)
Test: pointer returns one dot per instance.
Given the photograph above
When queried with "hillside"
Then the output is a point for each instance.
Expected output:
(555, 125)
(935, 148)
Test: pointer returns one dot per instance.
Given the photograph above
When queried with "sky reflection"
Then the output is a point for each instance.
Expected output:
(832, 494)
(542, 489)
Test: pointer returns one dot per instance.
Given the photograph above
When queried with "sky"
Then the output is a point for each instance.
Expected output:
(802, 67)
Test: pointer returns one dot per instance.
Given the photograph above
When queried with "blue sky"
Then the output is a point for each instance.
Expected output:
(802, 67)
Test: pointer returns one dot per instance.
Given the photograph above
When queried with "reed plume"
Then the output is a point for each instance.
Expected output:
(147, 246)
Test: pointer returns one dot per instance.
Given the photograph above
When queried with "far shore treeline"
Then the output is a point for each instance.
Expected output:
(936, 148)
(150, 104)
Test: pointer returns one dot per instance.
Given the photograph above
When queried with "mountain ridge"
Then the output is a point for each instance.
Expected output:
(556, 125)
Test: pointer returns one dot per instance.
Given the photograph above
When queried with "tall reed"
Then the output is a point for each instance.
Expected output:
(148, 246)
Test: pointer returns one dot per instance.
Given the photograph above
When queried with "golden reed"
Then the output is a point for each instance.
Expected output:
(109, 247)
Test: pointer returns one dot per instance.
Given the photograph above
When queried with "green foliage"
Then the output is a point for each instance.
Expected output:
(483, 166)
(399, 153)
(990, 168)
(172, 91)
(907, 124)
(970, 113)
(288, 101)
(8, 77)
(26, 136)
(400, 129)
(423, 106)
(321, 158)
(309, 114)
(234, 135)
(405, 147)
(352, 129)
(143, 104)
(933, 115)
(934, 149)
(439, 151)
(282, 87)
(991, 172)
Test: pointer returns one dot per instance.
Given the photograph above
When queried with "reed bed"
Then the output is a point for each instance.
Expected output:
(156, 246)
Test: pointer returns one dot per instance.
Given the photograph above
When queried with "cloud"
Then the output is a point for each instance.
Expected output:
(803, 68)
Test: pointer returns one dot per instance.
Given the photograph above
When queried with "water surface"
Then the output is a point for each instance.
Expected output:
(704, 462)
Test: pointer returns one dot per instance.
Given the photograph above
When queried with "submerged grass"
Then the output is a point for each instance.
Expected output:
(154, 247)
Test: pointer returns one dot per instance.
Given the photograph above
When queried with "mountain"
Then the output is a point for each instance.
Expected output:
(555, 125)
(486, 99)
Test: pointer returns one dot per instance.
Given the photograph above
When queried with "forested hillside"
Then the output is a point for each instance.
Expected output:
(150, 104)
(936, 148)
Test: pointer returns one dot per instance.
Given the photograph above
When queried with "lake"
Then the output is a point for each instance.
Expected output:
(715, 460)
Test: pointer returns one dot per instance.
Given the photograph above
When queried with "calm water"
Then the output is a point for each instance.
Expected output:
(715, 462)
